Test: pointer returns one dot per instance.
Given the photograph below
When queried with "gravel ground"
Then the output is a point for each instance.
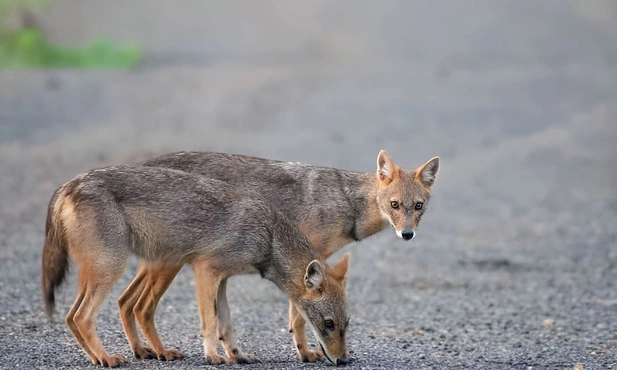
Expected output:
(515, 263)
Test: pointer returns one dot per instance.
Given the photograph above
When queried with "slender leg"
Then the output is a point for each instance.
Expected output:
(98, 282)
(126, 304)
(225, 331)
(70, 320)
(297, 328)
(159, 279)
(207, 282)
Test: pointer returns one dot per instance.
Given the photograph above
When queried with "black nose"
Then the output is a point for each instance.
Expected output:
(342, 361)
(407, 234)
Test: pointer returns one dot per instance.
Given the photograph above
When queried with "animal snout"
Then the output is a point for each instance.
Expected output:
(407, 234)
(342, 361)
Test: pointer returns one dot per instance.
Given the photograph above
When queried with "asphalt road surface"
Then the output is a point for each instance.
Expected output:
(515, 263)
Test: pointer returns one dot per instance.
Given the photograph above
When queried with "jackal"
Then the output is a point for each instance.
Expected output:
(169, 218)
(332, 207)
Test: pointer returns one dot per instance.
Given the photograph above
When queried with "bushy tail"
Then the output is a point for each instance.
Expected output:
(55, 262)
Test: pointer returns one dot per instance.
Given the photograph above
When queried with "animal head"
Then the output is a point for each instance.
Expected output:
(403, 195)
(323, 304)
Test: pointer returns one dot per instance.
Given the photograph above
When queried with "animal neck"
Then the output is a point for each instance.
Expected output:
(290, 277)
(291, 255)
(361, 190)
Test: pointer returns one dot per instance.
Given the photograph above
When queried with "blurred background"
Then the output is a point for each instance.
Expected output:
(515, 262)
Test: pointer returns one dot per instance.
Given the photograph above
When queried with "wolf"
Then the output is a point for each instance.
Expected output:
(332, 207)
(169, 218)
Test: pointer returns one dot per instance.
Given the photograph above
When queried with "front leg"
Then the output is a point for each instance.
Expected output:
(207, 283)
(296, 324)
(225, 331)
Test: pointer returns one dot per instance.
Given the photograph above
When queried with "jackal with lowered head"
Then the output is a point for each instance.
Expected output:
(332, 207)
(169, 218)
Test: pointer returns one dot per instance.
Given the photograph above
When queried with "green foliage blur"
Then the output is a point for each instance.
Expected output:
(26, 48)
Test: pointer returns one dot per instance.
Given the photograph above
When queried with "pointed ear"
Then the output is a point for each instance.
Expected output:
(386, 169)
(339, 271)
(314, 275)
(427, 172)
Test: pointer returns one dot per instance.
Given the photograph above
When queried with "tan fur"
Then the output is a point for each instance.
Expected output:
(98, 228)
(406, 188)
(297, 326)
(207, 283)
(373, 221)
(151, 232)
(95, 278)
(298, 323)
(127, 303)
(321, 237)
(390, 181)
(339, 271)
(148, 286)
(387, 171)
(55, 254)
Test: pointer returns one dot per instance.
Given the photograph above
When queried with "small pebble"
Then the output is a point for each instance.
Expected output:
(548, 322)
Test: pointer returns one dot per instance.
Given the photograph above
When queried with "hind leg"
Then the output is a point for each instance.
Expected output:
(70, 320)
(126, 304)
(98, 282)
(159, 279)
(225, 332)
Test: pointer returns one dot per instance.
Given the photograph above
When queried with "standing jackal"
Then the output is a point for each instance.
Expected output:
(332, 207)
(169, 218)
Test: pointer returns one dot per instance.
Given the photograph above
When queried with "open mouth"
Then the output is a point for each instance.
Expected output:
(326, 354)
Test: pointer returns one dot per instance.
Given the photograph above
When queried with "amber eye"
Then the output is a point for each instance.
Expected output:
(329, 324)
(419, 205)
(394, 204)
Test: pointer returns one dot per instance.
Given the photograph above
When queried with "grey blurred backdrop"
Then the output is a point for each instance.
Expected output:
(515, 262)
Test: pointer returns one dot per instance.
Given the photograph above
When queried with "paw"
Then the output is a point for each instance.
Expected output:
(245, 358)
(112, 361)
(216, 360)
(170, 355)
(311, 356)
(144, 353)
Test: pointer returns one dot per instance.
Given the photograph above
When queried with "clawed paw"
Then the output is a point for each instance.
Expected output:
(245, 358)
(112, 361)
(311, 356)
(144, 353)
(170, 355)
(216, 360)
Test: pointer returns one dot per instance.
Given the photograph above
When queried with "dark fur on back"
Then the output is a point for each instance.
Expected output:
(326, 195)
(173, 216)
(168, 218)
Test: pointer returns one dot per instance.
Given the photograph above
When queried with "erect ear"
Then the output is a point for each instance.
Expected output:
(386, 169)
(314, 275)
(428, 171)
(339, 271)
